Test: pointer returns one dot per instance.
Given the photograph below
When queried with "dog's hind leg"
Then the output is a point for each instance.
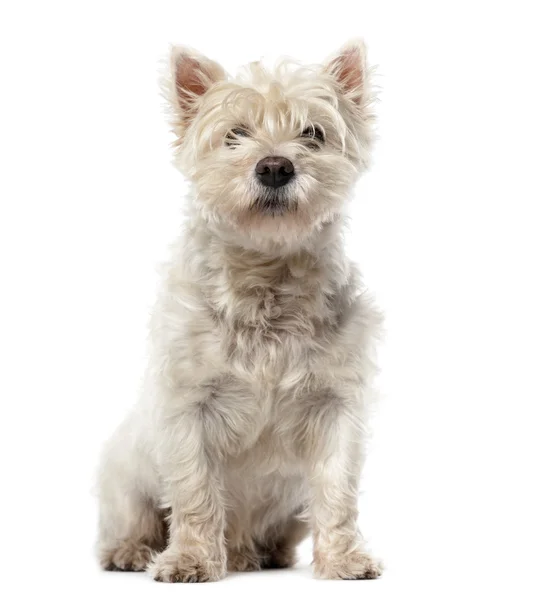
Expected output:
(130, 534)
(131, 524)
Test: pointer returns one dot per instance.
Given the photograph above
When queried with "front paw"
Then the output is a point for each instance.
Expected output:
(185, 567)
(355, 565)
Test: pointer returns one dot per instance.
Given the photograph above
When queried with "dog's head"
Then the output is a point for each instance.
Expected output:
(272, 155)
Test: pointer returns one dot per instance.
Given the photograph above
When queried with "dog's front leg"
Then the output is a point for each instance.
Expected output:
(192, 482)
(339, 551)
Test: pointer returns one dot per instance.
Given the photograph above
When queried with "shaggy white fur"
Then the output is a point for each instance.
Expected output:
(251, 426)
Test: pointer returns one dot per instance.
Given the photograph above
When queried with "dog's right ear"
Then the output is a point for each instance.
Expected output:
(192, 75)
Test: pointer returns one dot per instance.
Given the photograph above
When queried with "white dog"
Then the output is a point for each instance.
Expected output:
(251, 427)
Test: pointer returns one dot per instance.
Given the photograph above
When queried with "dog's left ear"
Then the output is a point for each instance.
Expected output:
(192, 75)
(350, 70)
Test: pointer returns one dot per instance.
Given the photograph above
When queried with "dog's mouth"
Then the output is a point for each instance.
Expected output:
(274, 203)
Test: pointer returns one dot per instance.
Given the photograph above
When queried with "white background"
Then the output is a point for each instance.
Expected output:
(443, 230)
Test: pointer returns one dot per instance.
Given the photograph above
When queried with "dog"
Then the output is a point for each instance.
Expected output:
(250, 431)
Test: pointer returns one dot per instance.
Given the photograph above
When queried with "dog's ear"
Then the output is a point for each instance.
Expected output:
(192, 75)
(350, 70)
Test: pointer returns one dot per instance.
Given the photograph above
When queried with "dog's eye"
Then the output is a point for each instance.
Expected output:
(313, 133)
(232, 137)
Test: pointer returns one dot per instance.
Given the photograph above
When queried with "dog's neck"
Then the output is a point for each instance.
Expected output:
(323, 249)
(251, 286)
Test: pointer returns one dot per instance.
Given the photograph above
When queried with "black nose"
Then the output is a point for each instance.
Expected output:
(274, 171)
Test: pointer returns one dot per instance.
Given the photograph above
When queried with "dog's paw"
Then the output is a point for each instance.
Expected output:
(356, 565)
(179, 567)
(128, 555)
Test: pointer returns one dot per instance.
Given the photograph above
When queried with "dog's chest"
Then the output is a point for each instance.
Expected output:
(269, 332)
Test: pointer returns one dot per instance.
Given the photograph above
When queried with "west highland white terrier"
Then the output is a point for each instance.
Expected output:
(251, 427)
